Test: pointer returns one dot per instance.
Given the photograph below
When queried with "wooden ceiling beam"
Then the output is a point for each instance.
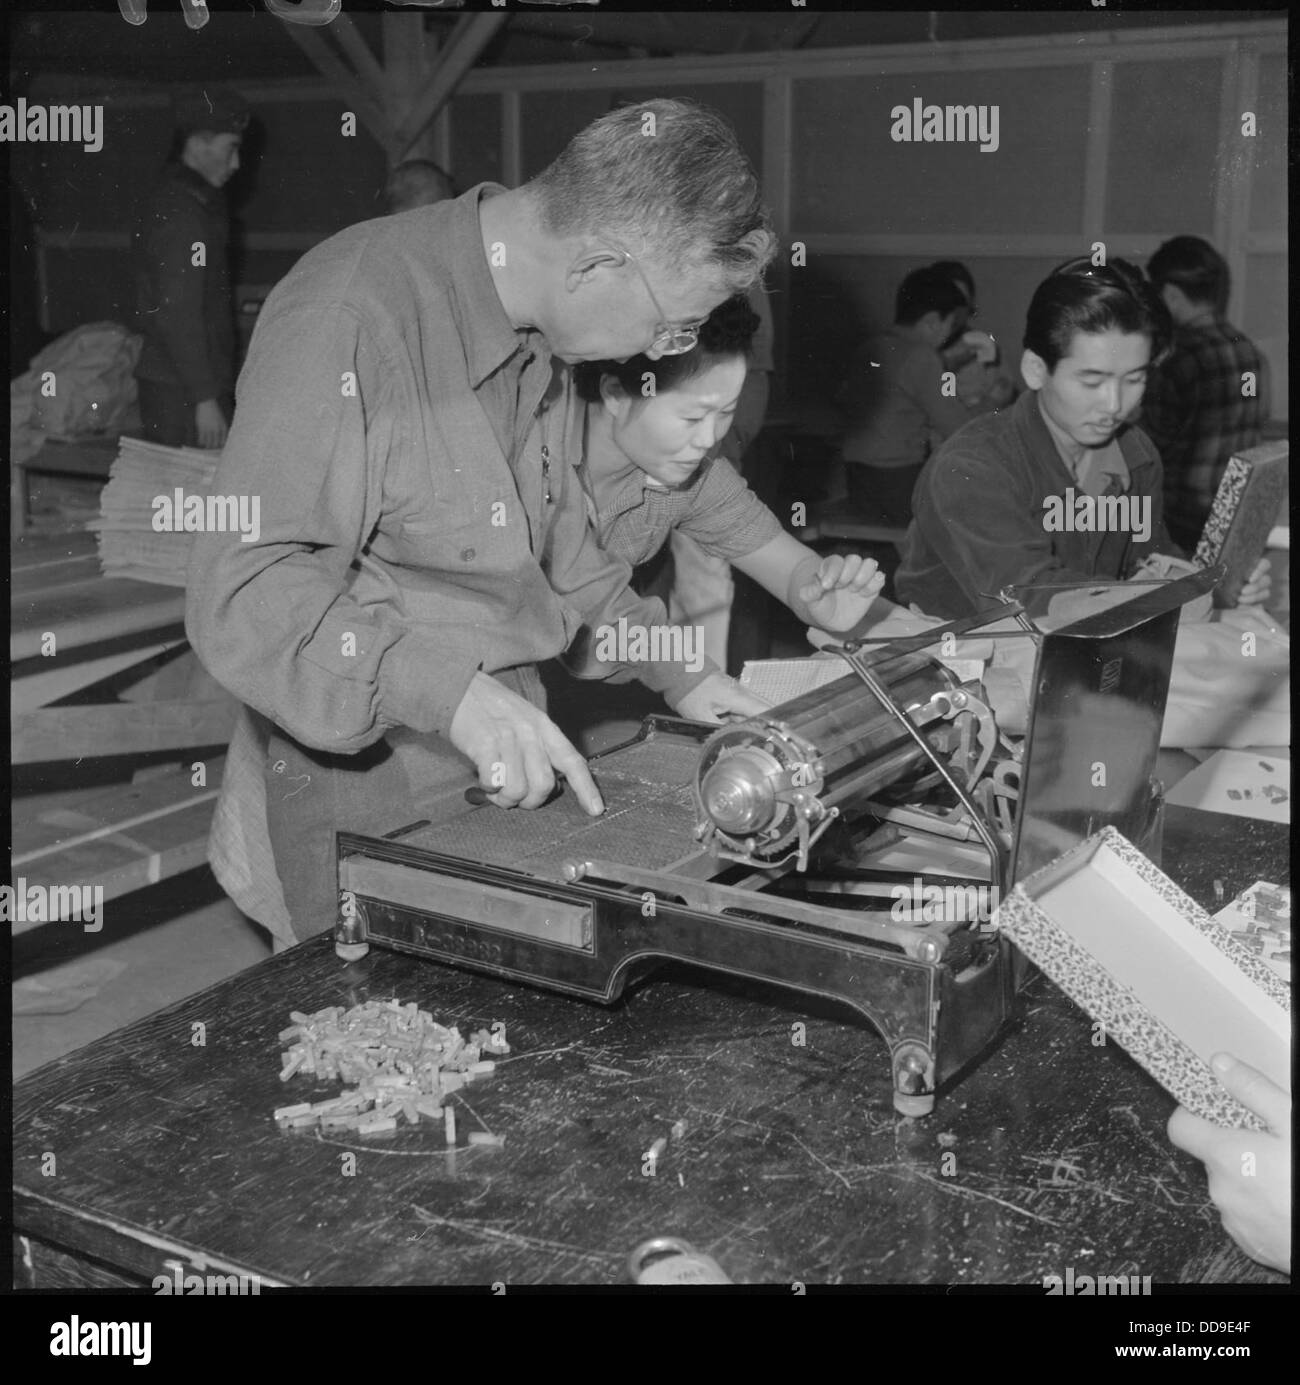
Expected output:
(370, 111)
(369, 69)
(470, 37)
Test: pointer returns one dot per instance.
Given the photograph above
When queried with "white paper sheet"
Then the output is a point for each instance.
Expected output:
(1244, 783)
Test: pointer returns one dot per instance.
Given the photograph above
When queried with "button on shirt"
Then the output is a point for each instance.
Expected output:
(387, 425)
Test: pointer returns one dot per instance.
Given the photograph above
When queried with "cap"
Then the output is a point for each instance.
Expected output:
(211, 109)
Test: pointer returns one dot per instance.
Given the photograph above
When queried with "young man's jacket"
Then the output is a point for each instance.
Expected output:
(980, 517)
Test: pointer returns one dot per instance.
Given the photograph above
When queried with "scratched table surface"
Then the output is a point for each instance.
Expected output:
(788, 1162)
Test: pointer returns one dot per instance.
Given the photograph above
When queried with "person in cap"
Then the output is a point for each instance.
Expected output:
(424, 541)
(186, 369)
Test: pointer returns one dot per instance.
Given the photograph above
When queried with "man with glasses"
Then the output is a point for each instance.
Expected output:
(423, 544)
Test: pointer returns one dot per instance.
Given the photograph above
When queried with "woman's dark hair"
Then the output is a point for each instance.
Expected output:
(727, 333)
(1080, 296)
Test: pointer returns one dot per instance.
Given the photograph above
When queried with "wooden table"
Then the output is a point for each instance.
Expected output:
(791, 1165)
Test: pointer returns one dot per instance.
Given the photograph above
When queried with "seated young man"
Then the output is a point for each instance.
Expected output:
(1059, 489)
(894, 397)
(1207, 401)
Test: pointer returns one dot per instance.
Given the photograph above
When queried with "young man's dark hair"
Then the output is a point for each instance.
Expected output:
(728, 332)
(960, 275)
(1193, 265)
(929, 290)
(1080, 296)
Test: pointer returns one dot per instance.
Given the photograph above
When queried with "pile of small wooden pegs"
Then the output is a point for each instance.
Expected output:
(398, 1061)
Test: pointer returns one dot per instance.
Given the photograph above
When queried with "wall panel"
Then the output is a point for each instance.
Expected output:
(1163, 146)
(1268, 201)
(476, 140)
(551, 119)
(849, 175)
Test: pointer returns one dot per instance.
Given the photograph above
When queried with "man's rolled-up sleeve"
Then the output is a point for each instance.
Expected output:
(597, 586)
(969, 510)
(273, 619)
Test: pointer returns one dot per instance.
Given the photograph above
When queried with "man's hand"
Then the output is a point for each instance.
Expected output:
(210, 423)
(840, 592)
(517, 749)
(1253, 1196)
(717, 696)
(1258, 585)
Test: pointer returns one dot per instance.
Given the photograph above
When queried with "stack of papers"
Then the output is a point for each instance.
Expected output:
(138, 537)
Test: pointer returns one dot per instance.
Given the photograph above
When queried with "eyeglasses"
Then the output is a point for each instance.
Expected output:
(669, 341)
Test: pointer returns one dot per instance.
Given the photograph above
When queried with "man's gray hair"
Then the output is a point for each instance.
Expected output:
(664, 179)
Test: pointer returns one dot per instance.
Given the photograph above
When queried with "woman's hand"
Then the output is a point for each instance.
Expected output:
(840, 592)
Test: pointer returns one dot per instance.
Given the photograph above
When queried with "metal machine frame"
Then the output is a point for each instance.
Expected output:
(937, 991)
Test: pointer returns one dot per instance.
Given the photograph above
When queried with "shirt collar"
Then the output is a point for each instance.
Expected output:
(1125, 455)
(489, 337)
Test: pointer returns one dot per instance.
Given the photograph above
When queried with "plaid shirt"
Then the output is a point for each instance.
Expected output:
(1197, 416)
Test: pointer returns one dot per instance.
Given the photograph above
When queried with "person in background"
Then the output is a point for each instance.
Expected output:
(416, 183)
(894, 397)
(973, 354)
(1208, 399)
(650, 438)
(424, 545)
(983, 503)
(1254, 1199)
(186, 370)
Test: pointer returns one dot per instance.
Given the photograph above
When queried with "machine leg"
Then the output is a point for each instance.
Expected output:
(913, 1080)
(350, 937)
